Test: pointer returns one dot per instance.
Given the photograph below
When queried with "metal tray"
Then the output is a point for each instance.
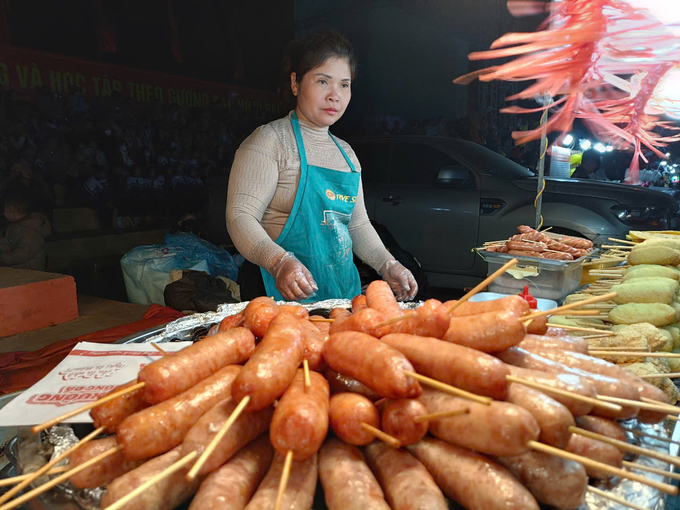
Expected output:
(196, 325)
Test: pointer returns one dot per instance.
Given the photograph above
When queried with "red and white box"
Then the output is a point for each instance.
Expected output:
(88, 372)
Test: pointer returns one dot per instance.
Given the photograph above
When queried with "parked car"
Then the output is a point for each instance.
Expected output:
(441, 197)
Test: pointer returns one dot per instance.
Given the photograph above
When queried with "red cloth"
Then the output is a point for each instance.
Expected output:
(22, 369)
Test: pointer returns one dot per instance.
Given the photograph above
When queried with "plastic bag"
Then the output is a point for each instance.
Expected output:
(197, 291)
(146, 269)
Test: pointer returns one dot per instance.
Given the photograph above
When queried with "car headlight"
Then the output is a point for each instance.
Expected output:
(642, 215)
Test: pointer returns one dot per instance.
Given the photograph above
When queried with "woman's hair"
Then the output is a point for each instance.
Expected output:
(303, 55)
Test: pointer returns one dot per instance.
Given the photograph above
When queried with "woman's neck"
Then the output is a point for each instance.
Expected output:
(322, 130)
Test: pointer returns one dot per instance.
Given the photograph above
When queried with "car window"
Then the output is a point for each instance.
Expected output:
(374, 158)
(414, 163)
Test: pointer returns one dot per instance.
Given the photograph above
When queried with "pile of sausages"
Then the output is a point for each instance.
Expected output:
(359, 378)
(532, 243)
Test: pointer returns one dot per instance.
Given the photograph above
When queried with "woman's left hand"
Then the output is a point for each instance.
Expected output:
(400, 279)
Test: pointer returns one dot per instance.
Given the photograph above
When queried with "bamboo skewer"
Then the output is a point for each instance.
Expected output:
(640, 350)
(20, 478)
(626, 447)
(158, 348)
(662, 404)
(671, 375)
(672, 418)
(584, 330)
(483, 284)
(614, 498)
(557, 391)
(623, 241)
(153, 480)
(284, 479)
(384, 437)
(613, 246)
(570, 306)
(657, 471)
(440, 415)
(551, 450)
(86, 407)
(193, 472)
(59, 479)
(649, 406)
(44, 469)
(651, 436)
(320, 319)
(604, 334)
(581, 313)
(449, 389)
(597, 352)
(305, 367)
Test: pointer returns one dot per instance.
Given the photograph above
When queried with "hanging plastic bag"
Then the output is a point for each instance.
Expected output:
(146, 269)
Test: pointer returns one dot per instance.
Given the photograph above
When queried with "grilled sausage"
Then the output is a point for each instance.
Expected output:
(596, 450)
(341, 383)
(232, 485)
(272, 367)
(553, 418)
(471, 479)
(497, 429)
(371, 362)
(245, 429)
(556, 482)
(567, 382)
(380, 297)
(300, 421)
(397, 420)
(112, 413)
(564, 343)
(406, 482)
(169, 492)
(347, 481)
(259, 314)
(160, 428)
(453, 364)
(299, 493)
(347, 411)
(486, 332)
(177, 372)
(103, 472)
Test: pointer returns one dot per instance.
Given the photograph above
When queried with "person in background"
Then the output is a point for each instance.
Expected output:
(23, 245)
(590, 168)
(295, 204)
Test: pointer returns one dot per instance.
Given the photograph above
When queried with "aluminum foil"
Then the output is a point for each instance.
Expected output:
(182, 329)
(635, 492)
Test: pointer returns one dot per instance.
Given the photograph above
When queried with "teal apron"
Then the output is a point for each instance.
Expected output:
(317, 228)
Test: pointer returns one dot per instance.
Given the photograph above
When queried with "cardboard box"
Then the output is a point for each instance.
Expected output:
(32, 300)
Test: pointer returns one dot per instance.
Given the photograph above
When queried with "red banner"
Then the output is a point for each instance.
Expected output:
(28, 72)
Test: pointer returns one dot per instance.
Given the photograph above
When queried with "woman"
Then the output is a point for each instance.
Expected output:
(295, 205)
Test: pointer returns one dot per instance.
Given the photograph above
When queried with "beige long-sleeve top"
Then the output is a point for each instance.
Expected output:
(263, 182)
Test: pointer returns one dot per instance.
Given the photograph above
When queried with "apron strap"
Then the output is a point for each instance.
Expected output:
(301, 145)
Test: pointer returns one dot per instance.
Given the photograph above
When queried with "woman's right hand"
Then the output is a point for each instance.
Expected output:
(293, 279)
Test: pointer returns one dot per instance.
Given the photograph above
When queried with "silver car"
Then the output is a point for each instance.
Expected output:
(441, 197)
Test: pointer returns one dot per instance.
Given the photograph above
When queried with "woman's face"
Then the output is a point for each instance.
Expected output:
(324, 92)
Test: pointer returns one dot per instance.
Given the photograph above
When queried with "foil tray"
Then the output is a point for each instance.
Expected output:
(192, 327)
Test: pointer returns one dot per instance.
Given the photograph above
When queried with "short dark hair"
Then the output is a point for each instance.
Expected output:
(20, 200)
(592, 156)
(303, 55)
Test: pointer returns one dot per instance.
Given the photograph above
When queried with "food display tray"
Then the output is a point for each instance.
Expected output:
(195, 326)
(546, 278)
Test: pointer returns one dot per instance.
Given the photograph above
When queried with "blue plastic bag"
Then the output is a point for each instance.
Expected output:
(146, 269)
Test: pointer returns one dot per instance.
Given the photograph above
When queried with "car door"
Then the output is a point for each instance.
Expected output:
(431, 206)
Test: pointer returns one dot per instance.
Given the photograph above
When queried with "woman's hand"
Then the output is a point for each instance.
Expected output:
(400, 279)
(293, 279)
